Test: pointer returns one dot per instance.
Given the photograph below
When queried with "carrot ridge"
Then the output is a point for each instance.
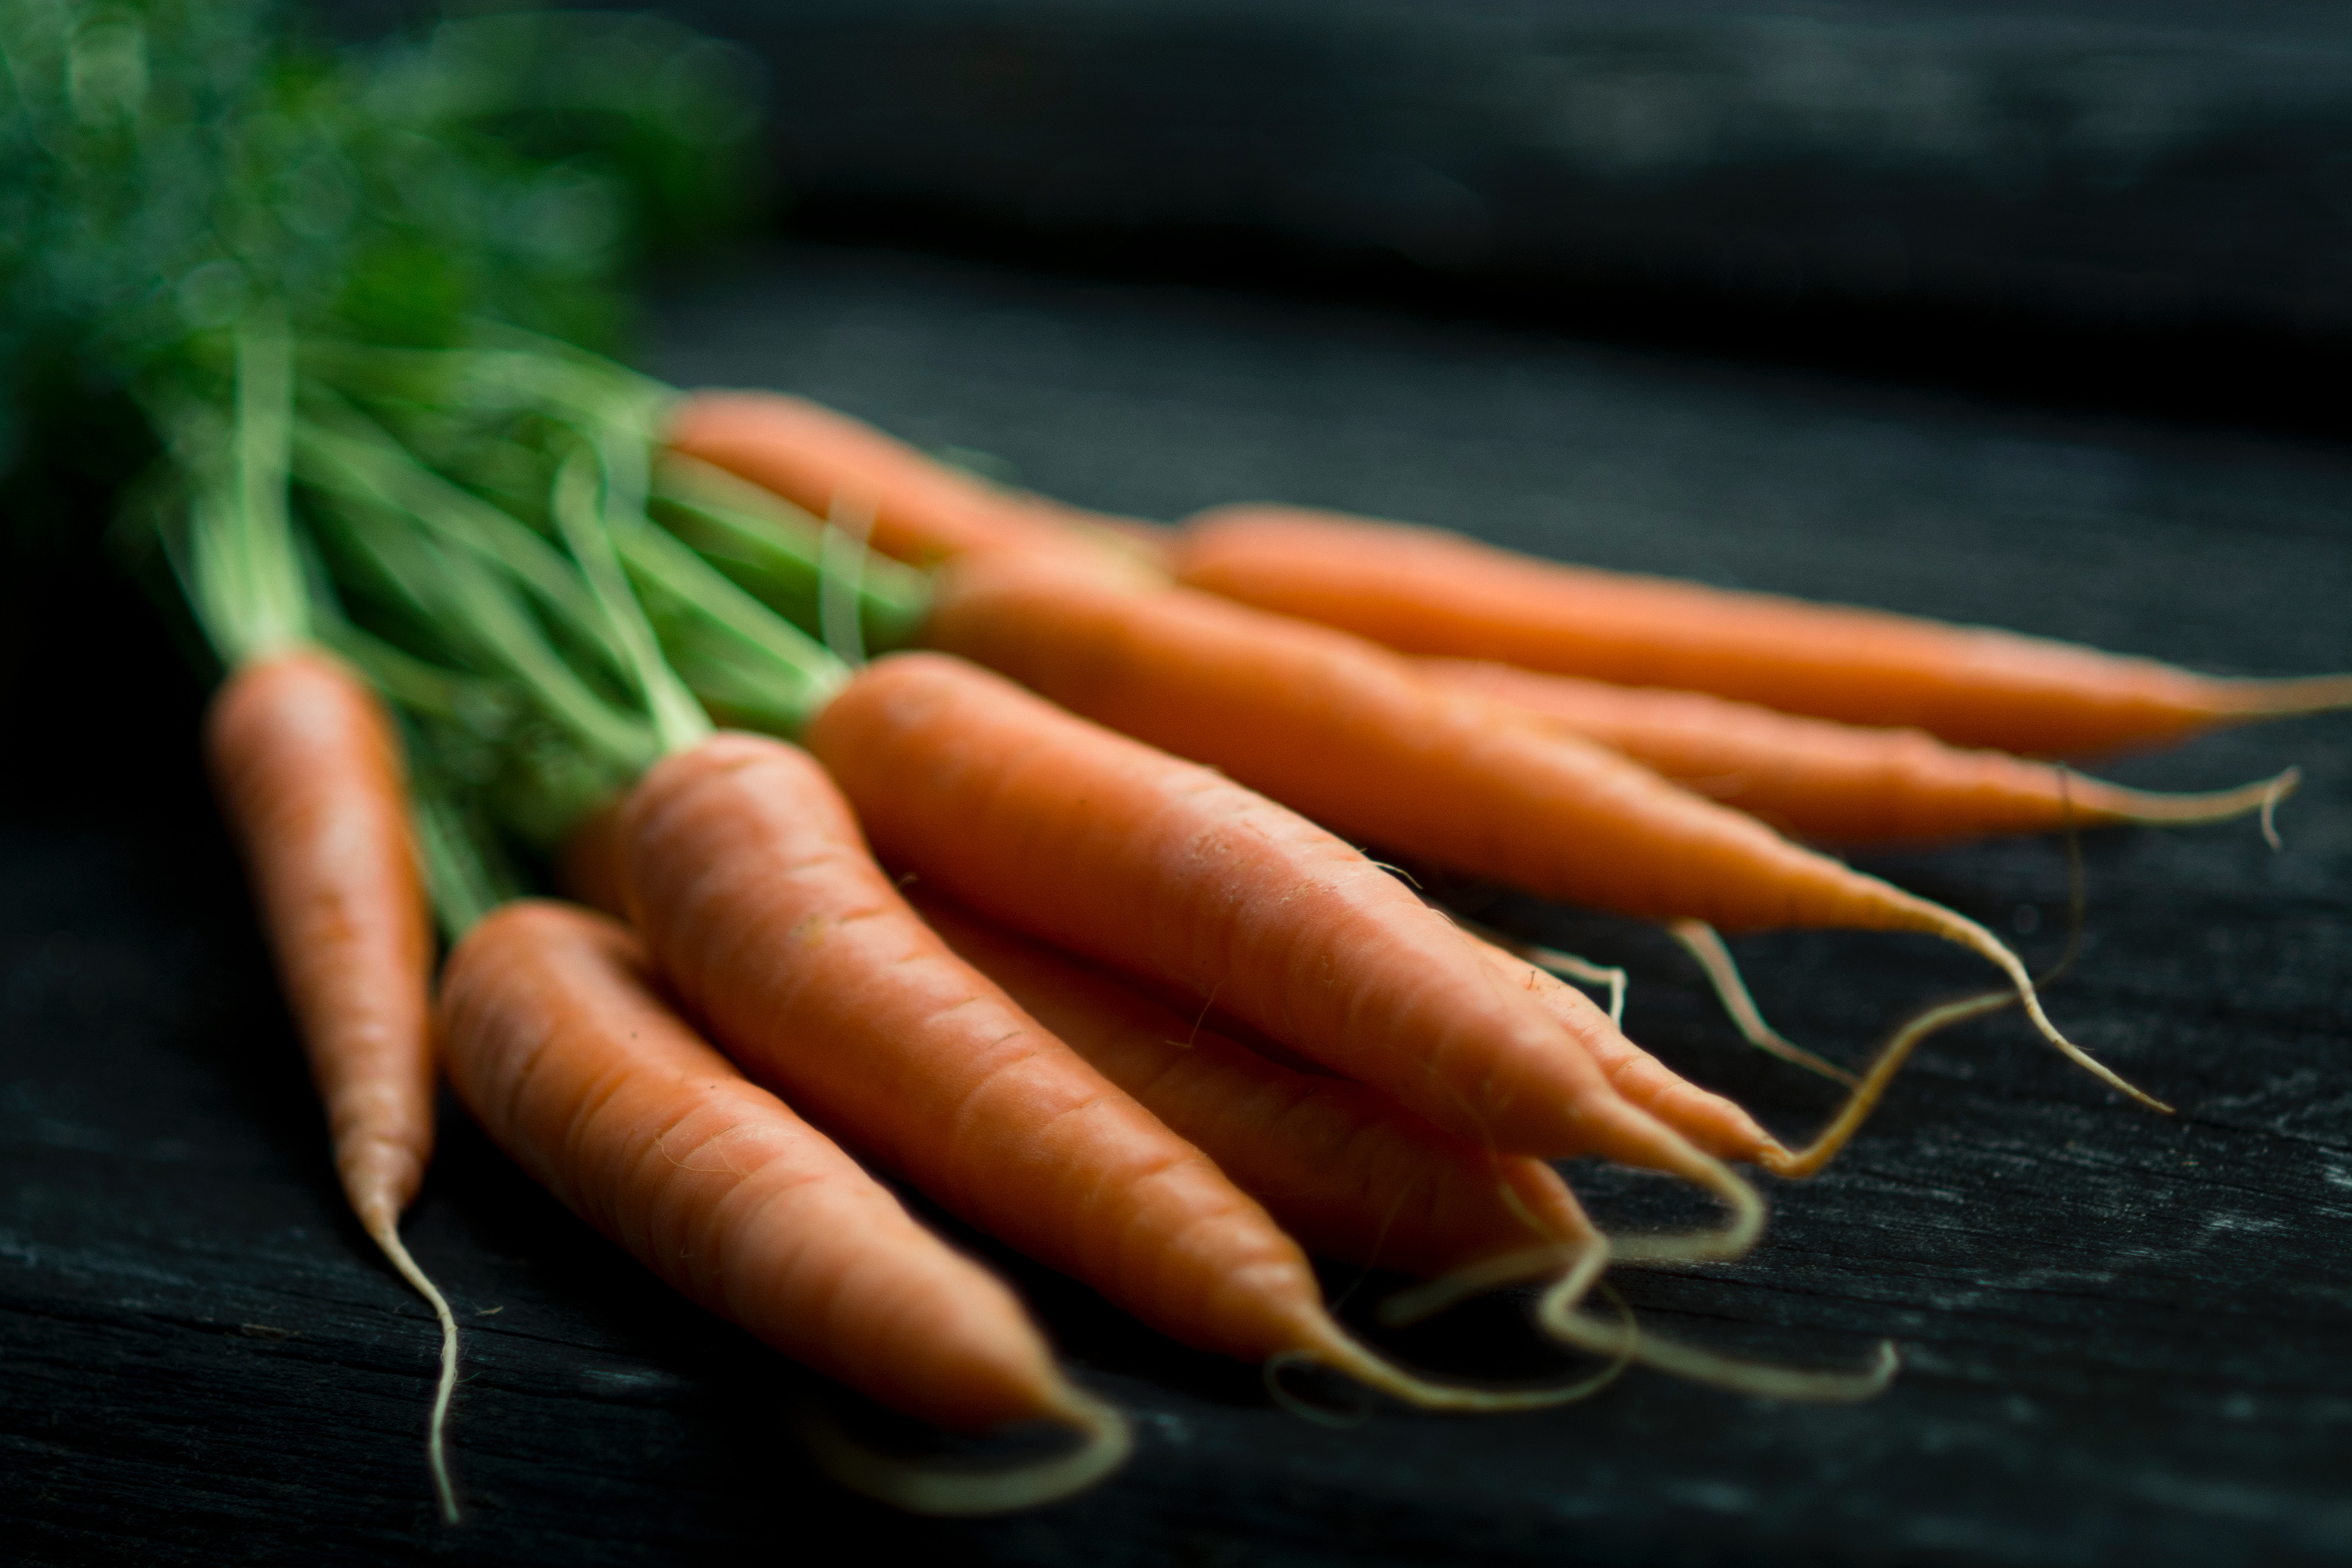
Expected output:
(743, 863)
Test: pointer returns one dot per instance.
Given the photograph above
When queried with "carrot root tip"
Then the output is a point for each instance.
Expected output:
(944, 1491)
(1730, 1240)
(1959, 929)
(1733, 1374)
(1559, 1315)
(2280, 788)
(2291, 697)
(381, 1225)
(1703, 942)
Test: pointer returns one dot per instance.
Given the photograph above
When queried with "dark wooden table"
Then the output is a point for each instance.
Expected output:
(2125, 1337)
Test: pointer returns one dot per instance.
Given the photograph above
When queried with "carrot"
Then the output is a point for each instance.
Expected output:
(1427, 592)
(1110, 849)
(309, 772)
(1343, 1170)
(558, 1042)
(1352, 736)
(1347, 1172)
(1820, 779)
(923, 511)
(753, 887)
(1356, 1178)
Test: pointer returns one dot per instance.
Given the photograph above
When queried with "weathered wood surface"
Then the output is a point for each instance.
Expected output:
(2125, 1337)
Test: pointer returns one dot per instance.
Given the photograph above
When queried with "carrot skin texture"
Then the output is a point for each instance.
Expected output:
(1106, 848)
(562, 1046)
(1428, 591)
(309, 772)
(1716, 1125)
(753, 886)
(923, 511)
(1353, 736)
(1347, 1172)
(1822, 779)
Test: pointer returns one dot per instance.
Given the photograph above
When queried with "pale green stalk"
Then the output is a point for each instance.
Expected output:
(678, 721)
(358, 459)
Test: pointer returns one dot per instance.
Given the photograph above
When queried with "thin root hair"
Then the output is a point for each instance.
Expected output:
(384, 1230)
(1705, 945)
(1560, 1317)
(956, 1491)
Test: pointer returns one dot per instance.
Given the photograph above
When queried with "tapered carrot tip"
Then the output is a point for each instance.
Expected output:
(2157, 808)
(1105, 1441)
(2284, 698)
(1957, 928)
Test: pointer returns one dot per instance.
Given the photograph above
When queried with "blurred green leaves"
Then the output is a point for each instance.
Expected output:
(166, 166)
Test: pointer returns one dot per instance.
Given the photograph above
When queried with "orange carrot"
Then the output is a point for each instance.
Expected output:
(1820, 779)
(1357, 1179)
(753, 887)
(923, 511)
(559, 1044)
(1353, 737)
(1427, 592)
(309, 772)
(1110, 849)
(1346, 1171)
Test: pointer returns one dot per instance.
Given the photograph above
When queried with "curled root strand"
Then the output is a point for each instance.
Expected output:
(948, 1491)
(1864, 1100)
(1732, 1373)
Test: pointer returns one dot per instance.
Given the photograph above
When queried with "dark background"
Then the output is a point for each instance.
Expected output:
(1999, 314)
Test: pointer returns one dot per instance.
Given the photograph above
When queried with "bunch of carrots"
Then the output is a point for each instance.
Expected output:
(1011, 850)
(1026, 871)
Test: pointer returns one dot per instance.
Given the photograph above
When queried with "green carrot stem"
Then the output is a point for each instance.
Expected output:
(582, 516)
(455, 878)
(776, 552)
(273, 611)
(354, 458)
(722, 625)
(486, 625)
